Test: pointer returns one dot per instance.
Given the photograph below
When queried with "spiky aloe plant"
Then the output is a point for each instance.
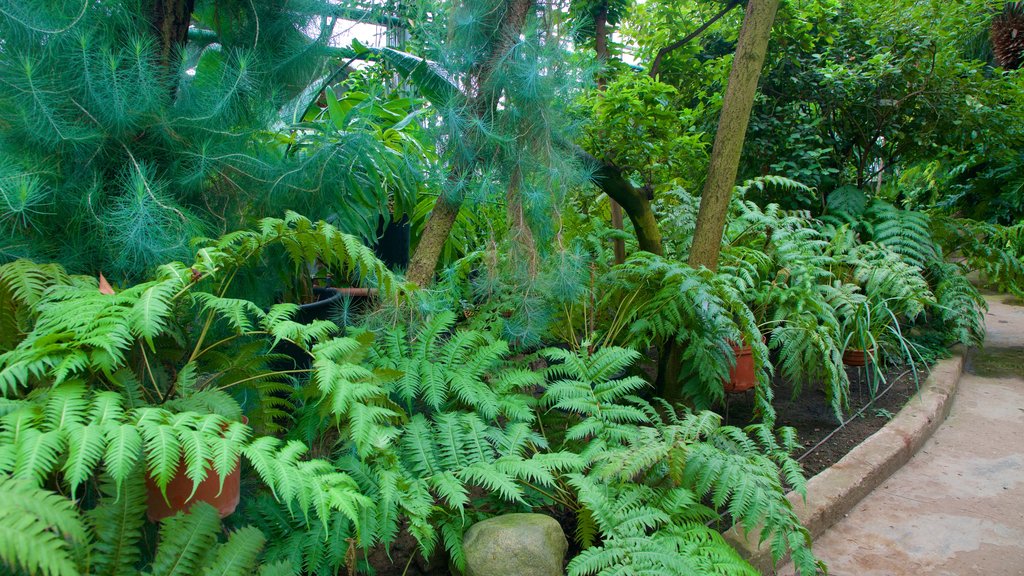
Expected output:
(1007, 33)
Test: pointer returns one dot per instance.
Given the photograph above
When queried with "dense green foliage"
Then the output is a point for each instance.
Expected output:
(423, 422)
(115, 154)
(218, 168)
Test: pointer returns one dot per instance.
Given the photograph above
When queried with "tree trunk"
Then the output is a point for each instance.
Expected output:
(170, 20)
(601, 47)
(732, 129)
(613, 183)
(725, 159)
(435, 234)
(424, 260)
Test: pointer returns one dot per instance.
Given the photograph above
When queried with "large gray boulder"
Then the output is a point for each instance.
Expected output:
(515, 545)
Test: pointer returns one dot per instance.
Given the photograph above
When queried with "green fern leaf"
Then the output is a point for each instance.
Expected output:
(117, 524)
(184, 539)
(237, 557)
(124, 447)
(37, 528)
(86, 445)
(66, 406)
(163, 451)
(282, 568)
(36, 454)
(152, 308)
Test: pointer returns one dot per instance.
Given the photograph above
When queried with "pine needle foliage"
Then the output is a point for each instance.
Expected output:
(131, 143)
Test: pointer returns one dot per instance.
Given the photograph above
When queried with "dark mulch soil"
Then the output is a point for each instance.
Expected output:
(810, 414)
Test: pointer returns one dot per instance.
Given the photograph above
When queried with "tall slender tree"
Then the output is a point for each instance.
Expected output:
(483, 96)
(732, 127)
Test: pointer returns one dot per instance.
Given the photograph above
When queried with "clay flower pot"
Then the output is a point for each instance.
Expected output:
(741, 376)
(857, 357)
(180, 488)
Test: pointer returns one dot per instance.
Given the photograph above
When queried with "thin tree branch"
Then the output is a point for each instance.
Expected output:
(656, 65)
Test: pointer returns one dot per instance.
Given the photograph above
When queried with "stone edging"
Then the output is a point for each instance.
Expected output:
(837, 489)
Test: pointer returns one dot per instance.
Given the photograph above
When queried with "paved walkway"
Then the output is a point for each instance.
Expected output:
(957, 508)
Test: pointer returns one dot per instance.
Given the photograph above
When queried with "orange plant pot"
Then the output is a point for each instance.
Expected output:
(857, 357)
(179, 488)
(741, 376)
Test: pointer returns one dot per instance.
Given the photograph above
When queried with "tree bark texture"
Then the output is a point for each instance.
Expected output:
(435, 234)
(170, 20)
(601, 46)
(424, 260)
(732, 128)
(634, 201)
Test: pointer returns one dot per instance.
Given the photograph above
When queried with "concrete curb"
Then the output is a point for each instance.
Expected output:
(837, 489)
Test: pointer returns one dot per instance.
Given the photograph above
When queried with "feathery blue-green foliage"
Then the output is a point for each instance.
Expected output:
(122, 141)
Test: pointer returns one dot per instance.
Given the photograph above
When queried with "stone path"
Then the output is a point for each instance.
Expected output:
(957, 508)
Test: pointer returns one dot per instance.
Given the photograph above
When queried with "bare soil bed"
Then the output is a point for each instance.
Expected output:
(824, 438)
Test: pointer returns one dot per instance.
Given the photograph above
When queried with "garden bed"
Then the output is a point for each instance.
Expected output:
(824, 442)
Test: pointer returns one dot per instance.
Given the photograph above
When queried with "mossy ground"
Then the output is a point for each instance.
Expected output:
(997, 362)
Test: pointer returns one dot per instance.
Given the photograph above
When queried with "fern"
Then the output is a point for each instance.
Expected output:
(432, 418)
(960, 307)
(647, 468)
(701, 311)
(79, 330)
(238, 555)
(184, 539)
(36, 435)
(38, 530)
(22, 285)
(116, 526)
(906, 232)
(996, 251)
(307, 548)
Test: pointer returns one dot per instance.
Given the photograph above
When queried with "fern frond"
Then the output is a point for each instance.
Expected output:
(185, 539)
(86, 444)
(238, 556)
(37, 530)
(116, 525)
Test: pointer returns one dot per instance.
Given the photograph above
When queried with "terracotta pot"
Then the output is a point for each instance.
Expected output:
(857, 357)
(741, 376)
(180, 487)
